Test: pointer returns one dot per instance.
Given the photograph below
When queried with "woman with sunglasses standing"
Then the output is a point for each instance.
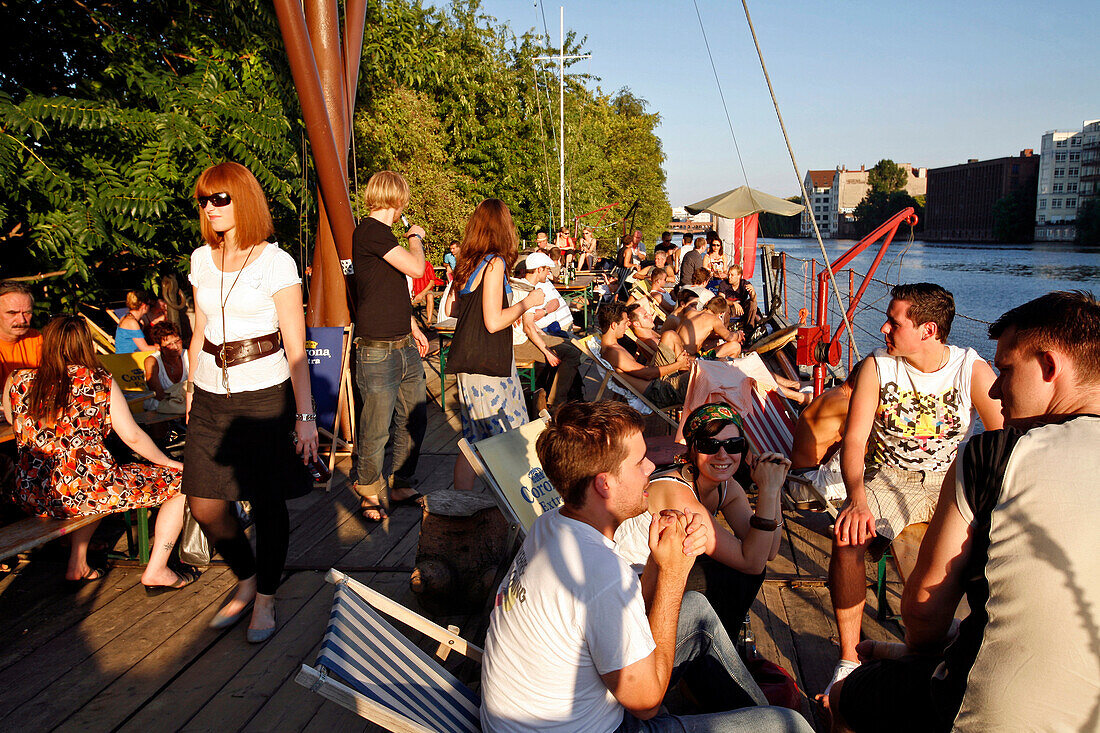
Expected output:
(709, 479)
(248, 393)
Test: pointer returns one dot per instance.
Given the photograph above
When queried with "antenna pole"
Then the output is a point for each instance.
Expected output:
(561, 57)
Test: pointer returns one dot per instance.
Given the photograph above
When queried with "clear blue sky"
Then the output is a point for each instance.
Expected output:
(930, 83)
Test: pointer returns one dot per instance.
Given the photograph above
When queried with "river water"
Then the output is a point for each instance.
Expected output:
(986, 280)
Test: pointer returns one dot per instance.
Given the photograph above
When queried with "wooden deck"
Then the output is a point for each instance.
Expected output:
(110, 658)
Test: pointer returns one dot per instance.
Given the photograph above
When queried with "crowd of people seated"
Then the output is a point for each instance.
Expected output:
(592, 622)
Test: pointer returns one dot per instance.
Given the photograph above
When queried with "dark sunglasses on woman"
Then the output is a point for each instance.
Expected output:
(710, 446)
(218, 199)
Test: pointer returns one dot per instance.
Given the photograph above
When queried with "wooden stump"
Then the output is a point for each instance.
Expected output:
(463, 542)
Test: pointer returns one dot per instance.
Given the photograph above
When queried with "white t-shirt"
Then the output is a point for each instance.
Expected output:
(249, 313)
(569, 610)
(562, 315)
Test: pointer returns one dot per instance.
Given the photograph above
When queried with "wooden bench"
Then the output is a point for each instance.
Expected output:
(27, 534)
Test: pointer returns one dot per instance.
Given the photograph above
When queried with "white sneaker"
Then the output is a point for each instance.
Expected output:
(843, 668)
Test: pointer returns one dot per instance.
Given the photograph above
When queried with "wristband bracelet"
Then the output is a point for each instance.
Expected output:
(305, 417)
(768, 525)
(410, 236)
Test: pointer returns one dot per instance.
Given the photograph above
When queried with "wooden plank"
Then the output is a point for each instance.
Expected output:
(273, 663)
(809, 548)
(814, 639)
(54, 612)
(194, 686)
(89, 662)
(291, 706)
(175, 647)
(30, 532)
(775, 626)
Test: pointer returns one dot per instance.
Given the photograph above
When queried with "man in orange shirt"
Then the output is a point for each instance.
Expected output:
(20, 345)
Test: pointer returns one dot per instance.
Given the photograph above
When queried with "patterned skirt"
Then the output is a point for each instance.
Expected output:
(490, 405)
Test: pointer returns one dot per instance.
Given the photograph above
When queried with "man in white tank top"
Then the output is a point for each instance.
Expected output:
(912, 405)
(1016, 530)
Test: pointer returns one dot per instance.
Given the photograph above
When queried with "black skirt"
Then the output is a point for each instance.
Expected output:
(243, 446)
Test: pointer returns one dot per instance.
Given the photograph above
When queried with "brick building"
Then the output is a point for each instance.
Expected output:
(960, 199)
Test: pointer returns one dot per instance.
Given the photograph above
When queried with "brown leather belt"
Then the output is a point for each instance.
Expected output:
(243, 351)
(393, 345)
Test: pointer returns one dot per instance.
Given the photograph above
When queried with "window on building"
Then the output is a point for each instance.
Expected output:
(1042, 218)
(1060, 143)
(1059, 172)
(1042, 203)
(1074, 156)
(1059, 157)
(1071, 203)
(1071, 188)
(1073, 171)
(1075, 141)
(1056, 203)
(1057, 188)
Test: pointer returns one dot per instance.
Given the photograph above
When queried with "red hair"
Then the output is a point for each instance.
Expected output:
(250, 209)
(489, 231)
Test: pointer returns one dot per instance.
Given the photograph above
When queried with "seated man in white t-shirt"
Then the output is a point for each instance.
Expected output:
(557, 319)
(576, 640)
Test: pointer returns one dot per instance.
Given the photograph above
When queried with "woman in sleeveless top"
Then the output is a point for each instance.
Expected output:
(129, 334)
(709, 479)
(61, 413)
(165, 370)
(489, 393)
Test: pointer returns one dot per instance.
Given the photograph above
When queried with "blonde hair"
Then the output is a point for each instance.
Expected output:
(137, 298)
(249, 204)
(386, 190)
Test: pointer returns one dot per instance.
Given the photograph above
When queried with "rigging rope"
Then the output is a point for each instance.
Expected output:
(798, 175)
(721, 96)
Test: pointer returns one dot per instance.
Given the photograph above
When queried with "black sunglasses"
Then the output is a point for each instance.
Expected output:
(710, 446)
(218, 199)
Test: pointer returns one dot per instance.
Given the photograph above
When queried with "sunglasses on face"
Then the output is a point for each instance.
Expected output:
(710, 446)
(218, 199)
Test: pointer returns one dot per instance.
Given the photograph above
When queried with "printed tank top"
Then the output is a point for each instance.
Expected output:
(922, 417)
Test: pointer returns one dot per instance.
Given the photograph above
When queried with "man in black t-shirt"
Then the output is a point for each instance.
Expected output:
(692, 261)
(1015, 530)
(742, 298)
(389, 348)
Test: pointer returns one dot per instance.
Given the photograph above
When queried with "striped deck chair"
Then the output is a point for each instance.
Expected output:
(612, 380)
(370, 668)
(746, 385)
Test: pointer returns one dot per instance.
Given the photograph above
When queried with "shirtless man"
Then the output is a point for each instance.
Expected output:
(696, 327)
(820, 427)
(685, 303)
(641, 323)
(664, 382)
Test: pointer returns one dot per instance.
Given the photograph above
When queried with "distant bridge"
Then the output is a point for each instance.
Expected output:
(689, 227)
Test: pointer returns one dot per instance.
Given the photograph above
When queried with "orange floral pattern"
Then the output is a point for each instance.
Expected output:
(65, 470)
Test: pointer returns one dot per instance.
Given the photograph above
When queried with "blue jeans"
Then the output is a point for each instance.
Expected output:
(718, 678)
(391, 384)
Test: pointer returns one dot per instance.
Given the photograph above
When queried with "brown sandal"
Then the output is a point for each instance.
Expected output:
(373, 512)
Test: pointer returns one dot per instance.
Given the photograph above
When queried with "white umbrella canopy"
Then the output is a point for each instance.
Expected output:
(744, 201)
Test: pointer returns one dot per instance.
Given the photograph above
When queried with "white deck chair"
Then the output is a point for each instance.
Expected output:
(509, 466)
(612, 380)
(370, 668)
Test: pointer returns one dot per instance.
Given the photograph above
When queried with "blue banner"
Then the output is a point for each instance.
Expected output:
(324, 352)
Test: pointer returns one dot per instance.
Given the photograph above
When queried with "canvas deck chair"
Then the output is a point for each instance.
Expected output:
(372, 669)
(612, 380)
(509, 466)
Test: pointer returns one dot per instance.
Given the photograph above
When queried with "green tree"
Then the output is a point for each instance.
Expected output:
(878, 206)
(887, 176)
(1088, 223)
(774, 225)
(101, 143)
(1014, 215)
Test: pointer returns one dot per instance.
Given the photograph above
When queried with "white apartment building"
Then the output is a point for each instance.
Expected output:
(1068, 166)
(835, 194)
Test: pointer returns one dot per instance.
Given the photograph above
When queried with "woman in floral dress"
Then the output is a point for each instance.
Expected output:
(61, 413)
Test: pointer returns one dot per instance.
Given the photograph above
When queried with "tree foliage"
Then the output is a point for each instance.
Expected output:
(100, 144)
(887, 176)
(1014, 215)
(1088, 223)
(105, 126)
(878, 206)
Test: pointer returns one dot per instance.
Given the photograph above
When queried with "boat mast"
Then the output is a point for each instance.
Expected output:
(561, 57)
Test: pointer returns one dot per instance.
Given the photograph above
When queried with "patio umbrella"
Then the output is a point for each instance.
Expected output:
(744, 201)
(742, 205)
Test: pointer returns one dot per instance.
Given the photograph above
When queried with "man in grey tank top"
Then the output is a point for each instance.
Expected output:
(911, 407)
(1016, 530)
